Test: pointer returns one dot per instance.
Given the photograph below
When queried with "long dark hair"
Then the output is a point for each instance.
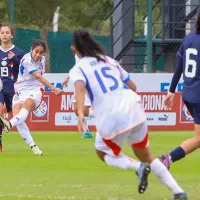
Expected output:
(198, 21)
(37, 43)
(86, 45)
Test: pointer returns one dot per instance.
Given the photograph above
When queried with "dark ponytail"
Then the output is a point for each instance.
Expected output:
(198, 21)
(87, 46)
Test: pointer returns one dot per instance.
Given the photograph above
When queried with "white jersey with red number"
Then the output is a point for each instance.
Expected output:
(25, 79)
(116, 109)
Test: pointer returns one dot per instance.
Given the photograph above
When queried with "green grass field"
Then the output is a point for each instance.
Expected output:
(70, 169)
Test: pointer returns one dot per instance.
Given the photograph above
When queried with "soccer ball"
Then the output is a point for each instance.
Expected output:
(1, 85)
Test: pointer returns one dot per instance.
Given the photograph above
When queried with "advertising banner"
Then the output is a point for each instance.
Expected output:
(56, 113)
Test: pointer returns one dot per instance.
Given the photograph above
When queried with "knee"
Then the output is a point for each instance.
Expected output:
(100, 154)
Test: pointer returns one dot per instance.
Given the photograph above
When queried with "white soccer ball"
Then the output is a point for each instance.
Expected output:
(1, 85)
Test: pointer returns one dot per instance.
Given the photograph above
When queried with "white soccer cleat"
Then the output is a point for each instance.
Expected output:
(35, 149)
(6, 125)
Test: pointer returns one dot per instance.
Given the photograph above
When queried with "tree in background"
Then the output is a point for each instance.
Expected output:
(38, 15)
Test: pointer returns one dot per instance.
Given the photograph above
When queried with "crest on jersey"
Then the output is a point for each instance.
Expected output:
(4, 63)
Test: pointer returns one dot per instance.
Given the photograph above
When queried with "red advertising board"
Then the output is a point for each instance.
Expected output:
(56, 113)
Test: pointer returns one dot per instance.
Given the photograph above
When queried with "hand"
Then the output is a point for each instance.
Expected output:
(169, 100)
(11, 55)
(81, 125)
(57, 91)
(65, 82)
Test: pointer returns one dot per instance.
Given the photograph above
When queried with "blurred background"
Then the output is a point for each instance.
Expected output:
(144, 35)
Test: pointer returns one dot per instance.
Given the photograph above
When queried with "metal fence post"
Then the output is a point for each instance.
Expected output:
(12, 12)
(149, 36)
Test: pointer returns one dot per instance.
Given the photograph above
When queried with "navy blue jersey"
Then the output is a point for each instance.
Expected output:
(188, 64)
(9, 68)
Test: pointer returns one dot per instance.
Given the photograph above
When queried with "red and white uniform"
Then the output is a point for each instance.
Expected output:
(118, 111)
(27, 86)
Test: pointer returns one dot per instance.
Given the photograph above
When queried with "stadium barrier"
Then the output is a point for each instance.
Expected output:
(56, 113)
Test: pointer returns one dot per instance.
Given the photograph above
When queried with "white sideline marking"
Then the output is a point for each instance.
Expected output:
(57, 197)
(40, 197)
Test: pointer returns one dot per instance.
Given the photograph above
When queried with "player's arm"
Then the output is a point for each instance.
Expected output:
(80, 96)
(178, 71)
(79, 81)
(169, 100)
(125, 77)
(45, 82)
(65, 82)
(16, 62)
(131, 85)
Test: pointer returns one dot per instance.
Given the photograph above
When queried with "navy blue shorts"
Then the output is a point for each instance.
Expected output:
(194, 109)
(7, 100)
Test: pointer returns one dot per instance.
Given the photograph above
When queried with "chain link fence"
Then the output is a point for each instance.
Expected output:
(171, 21)
(54, 21)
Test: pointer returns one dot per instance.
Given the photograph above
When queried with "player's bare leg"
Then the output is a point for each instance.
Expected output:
(1, 130)
(122, 161)
(87, 133)
(159, 169)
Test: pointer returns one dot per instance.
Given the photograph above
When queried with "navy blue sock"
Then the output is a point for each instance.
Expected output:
(177, 154)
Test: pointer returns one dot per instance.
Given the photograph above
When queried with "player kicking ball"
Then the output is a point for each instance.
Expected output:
(29, 88)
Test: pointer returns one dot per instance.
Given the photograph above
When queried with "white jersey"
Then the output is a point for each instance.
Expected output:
(87, 101)
(25, 79)
(116, 109)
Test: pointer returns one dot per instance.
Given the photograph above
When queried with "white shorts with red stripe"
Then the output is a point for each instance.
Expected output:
(21, 96)
(136, 137)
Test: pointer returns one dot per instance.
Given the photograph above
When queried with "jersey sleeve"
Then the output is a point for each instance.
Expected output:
(178, 70)
(30, 67)
(123, 73)
(76, 74)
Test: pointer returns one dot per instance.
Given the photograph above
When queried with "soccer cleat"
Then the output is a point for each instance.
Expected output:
(6, 125)
(143, 173)
(87, 135)
(165, 159)
(180, 196)
(1, 148)
(35, 149)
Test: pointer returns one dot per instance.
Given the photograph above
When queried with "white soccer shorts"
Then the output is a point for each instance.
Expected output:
(136, 137)
(20, 97)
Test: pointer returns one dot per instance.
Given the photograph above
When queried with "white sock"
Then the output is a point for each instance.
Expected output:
(25, 134)
(122, 161)
(159, 169)
(91, 113)
(20, 117)
(86, 129)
